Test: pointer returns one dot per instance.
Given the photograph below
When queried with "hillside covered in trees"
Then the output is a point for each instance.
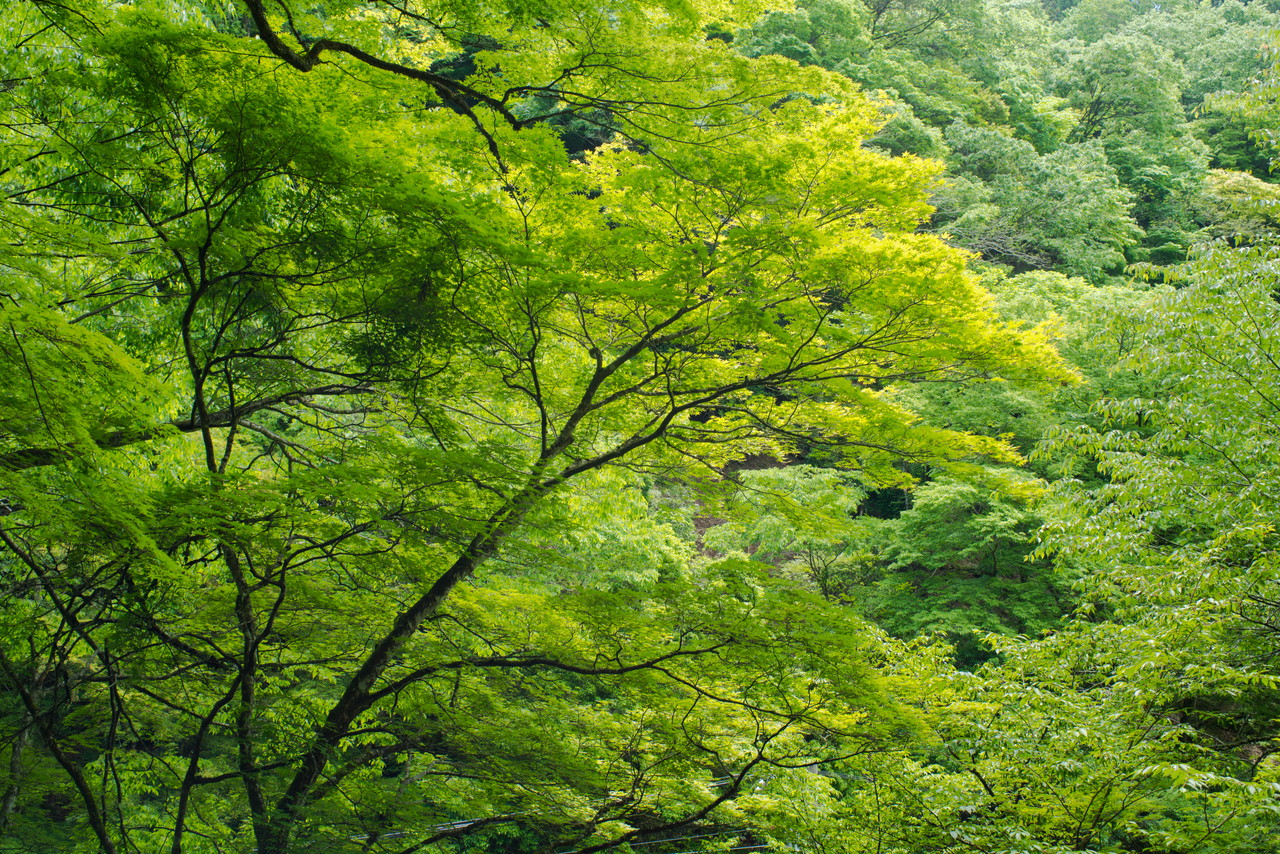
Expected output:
(654, 426)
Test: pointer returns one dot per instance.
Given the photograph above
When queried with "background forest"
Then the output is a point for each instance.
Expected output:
(666, 426)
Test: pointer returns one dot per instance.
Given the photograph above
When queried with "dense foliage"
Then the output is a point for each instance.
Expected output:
(434, 425)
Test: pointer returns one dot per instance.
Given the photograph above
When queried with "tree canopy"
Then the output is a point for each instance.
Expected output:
(303, 353)
(564, 426)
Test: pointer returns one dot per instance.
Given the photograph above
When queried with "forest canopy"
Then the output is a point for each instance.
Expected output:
(576, 426)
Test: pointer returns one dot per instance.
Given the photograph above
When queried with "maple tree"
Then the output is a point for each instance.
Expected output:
(317, 316)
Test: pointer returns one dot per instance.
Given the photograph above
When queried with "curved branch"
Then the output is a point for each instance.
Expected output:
(26, 458)
(542, 661)
(452, 92)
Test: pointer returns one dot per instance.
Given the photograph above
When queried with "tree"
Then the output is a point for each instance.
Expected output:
(1148, 720)
(307, 358)
(1064, 210)
(802, 520)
